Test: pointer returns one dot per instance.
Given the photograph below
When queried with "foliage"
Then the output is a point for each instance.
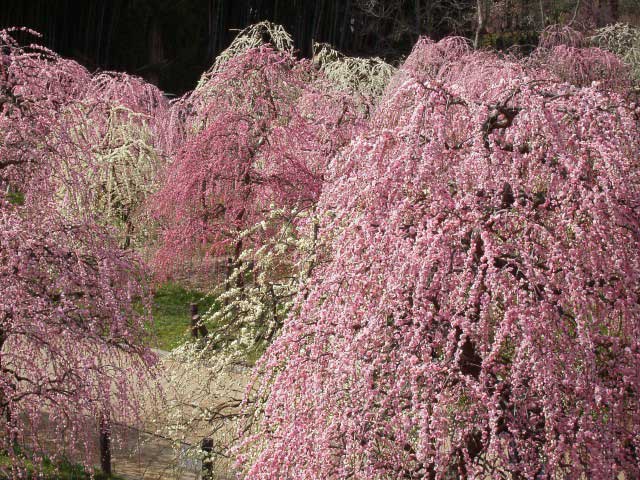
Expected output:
(61, 470)
(479, 315)
(584, 66)
(560, 34)
(211, 188)
(253, 301)
(132, 93)
(111, 153)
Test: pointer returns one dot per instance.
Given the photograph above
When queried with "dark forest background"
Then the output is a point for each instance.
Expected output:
(171, 42)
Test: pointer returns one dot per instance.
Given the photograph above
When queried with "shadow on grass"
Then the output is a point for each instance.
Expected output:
(48, 470)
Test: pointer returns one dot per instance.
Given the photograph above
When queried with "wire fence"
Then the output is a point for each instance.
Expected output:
(136, 454)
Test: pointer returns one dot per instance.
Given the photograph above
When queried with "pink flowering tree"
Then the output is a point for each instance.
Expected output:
(72, 314)
(211, 187)
(72, 340)
(260, 131)
(35, 85)
(480, 314)
(257, 132)
(567, 53)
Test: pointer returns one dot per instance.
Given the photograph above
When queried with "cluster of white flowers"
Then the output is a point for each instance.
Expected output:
(365, 76)
(252, 37)
(118, 163)
(254, 300)
(624, 41)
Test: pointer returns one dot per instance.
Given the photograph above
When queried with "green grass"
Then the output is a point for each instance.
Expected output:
(16, 198)
(171, 313)
(62, 470)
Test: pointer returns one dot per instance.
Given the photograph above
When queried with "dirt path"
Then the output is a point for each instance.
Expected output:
(195, 396)
(189, 393)
(144, 456)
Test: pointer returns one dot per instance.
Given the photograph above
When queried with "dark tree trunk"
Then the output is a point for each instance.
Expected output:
(156, 51)
(105, 444)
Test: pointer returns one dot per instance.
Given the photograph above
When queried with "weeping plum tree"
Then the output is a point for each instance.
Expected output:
(460, 277)
(623, 40)
(72, 321)
(35, 84)
(110, 145)
(212, 187)
(566, 52)
(252, 37)
(72, 343)
(480, 313)
(257, 132)
(367, 77)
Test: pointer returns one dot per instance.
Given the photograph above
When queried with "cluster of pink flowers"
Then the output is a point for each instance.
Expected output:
(255, 135)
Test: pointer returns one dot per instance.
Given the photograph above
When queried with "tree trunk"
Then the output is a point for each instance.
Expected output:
(481, 11)
(4, 403)
(156, 51)
(105, 444)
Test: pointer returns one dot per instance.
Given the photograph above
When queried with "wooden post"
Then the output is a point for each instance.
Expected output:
(105, 444)
(202, 329)
(195, 318)
(207, 461)
(196, 326)
(227, 284)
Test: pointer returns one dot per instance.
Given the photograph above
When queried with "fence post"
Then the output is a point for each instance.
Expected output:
(207, 461)
(203, 330)
(227, 283)
(105, 444)
(195, 318)
(196, 325)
